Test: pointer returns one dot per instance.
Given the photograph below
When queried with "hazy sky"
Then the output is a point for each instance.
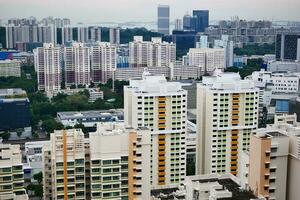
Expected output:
(92, 11)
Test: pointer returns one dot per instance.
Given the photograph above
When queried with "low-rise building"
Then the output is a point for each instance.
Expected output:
(215, 187)
(89, 118)
(10, 68)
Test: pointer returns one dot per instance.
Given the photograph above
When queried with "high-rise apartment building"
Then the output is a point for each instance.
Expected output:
(67, 34)
(288, 46)
(82, 34)
(227, 113)
(268, 164)
(163, 19)
(273, 159)
(103, 61)
(47, 34)
(161, 106)
(92, 168)
(64, 173)
(12, 175)
(47, 62)
(187, 22)
(114, 35)
(207, 58)
(200, 20)
(77, 64)
(95, 34)
(151, 54)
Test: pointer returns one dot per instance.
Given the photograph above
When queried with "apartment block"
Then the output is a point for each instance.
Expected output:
(267, 172)
(103, 61)
(67, 34)
(207, 59)
(64, 166)
(227, 113)
(11, 173)
(161, 106)
(151, 54)
(77, 65)
(114, 35)
(48, 65)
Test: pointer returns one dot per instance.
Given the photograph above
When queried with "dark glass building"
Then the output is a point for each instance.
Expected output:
(163, 19)
(288, 46)
(200, 20)
(14, 110)
(184, 40)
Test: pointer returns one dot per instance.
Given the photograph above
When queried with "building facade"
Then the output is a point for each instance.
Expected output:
(161, 106)
(163, 19)
(227, 113)
(48, 65)
(10, 68)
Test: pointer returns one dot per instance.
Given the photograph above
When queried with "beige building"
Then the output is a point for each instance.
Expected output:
(268, 164)
(11, 173)
(227, 113)
(161, 106)
(10, 68)
(154, 53)
(207, 59)
(98, 167)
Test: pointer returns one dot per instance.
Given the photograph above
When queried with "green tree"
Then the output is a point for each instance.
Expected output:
(51, 124)
(38, 177)
(5, 135)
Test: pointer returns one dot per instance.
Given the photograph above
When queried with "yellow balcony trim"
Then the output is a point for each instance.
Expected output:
(234, 142)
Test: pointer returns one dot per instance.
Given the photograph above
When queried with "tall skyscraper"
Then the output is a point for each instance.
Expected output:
(47, 34)
(178, 24)
(161, 106)
(12, 175)
(227, 113)
(200, 20)
(114, 35)
(103, 61)
(187, 22)
(47, 63)
(163, 19)
(95, 34)
(77, 65)
(151, 54)
(288, 46)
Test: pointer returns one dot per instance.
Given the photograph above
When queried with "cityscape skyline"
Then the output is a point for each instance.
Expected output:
(147, 11)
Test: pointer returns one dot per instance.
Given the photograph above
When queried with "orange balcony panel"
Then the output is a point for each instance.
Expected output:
(162, 98)
(235, 112)
(162, 142)
(161, 115)
(234, 142)
(161, 173)
(235, 95)
(162, 110)
(234, 147)
(235, 131)
(233, 162)
(161, 148)
(161, 126)
(161, 121)
(235, 106)
(234, 157)
(235, 101)
(233, 168)
(234, 122)
(234, 137)
(161, 183)
(162, 168)
(161, 163)
(234, 173)
(161, 105)
(162, 136)
(161, 178)
(235, 117)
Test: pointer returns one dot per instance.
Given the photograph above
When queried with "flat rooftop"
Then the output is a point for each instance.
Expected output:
(91, 114)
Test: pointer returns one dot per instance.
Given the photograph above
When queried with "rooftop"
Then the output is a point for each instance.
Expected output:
(102, 114)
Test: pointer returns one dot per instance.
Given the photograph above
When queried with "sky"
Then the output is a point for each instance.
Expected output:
(95, 11)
